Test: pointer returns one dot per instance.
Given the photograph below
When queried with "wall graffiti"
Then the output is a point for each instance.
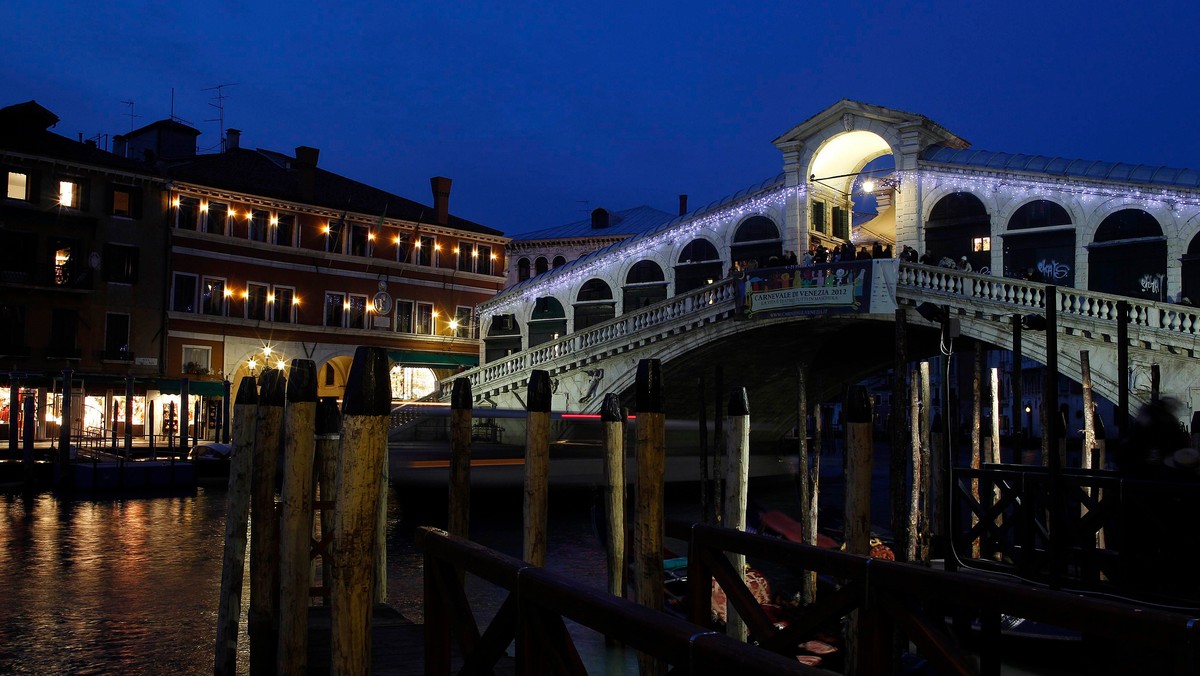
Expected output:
(1053, 270)
(1151, 283)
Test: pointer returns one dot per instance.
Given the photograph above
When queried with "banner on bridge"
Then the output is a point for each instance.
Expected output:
(859, 287)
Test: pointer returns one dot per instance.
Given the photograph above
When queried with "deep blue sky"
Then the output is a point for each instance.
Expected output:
(540, 111)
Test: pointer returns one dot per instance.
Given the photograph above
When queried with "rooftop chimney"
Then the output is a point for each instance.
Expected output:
(441, 198)
(599, 218)
(120, 143)
(233, 139)
(682, 204)
(306, 165)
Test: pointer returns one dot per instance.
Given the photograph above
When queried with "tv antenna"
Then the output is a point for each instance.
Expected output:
(175, 117)
(130, 114)
(220, 97)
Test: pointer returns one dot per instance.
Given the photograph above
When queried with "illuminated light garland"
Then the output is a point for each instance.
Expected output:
(1088, 193)
(637, 247)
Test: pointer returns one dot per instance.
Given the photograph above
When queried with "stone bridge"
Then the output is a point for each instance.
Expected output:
(690, 333)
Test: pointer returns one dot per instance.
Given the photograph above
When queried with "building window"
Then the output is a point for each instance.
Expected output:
(218, 217)
(335, 309)
(981, 244)
(404, 316)
(18, 186)
(116, 336)
(120, 264)
(285, 229)
(484, 259)
(197, 359)
(256, 301)
(256, 225)
(70, 193)
(212, 297)
(187, 215)
(818, 216)
(522, 269)
(359, 241)
(12, 328)
(426, 250)
(333, 236)
(283, 304)
(403, 248)
(70, 268)
(356, 311)
(425, 316)
(127, 203)
(463, 326)
(183, 293)
(841, 223)
(466, 257)
(64, 324)
(540, 265)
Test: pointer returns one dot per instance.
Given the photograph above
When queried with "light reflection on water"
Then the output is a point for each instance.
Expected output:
(133, 585)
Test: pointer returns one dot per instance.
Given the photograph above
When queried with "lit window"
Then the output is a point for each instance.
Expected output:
(981, 244)
(126, 202)
(69, 194)
(18, 185)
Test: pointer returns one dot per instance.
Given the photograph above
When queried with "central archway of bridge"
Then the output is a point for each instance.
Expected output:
(693, 332)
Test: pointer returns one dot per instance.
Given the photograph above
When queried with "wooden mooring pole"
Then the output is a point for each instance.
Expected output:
(237, 517)
(737, 477)
(28, 412)
(458, 521)
(263, 616)
(857, 528)
(808, 580)
(361, 461)
(296, 516)
(927, 483)
(613, 419)
(648, 584)
(898, 464)
(976, 438)
(329, 437)
(537, 467)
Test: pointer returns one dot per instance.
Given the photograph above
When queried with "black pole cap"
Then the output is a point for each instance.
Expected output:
(858, 405)
(539, 391)
(272, 388)
(368, 387)
(649, 386)
(460, 395)
(610, 410)
(247, 392)
(302, 386)
(329, 418)
(739, 403)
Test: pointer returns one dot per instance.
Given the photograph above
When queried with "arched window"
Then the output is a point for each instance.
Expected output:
(540, 265)
(503, 338)
(1128, 256)
(559, 261)
(522, 269)
(699, 265)
(1034, 251)
(1190, 271)
(645, 284)
(756, 243)
(958, 226)
(594, 304)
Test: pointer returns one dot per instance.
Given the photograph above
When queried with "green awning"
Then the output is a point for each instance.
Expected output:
(203, 388)
(433, 360)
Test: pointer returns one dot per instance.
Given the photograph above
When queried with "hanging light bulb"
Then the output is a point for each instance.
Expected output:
(868, 185)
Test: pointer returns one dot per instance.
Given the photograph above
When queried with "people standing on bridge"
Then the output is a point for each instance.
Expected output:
(808, 258)
(964, 264)
(928, 258)
(863, 254)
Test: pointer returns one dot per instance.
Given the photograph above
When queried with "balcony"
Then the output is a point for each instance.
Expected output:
(122, 356)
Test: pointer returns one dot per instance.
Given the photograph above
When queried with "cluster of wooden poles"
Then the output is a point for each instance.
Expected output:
(342, 454)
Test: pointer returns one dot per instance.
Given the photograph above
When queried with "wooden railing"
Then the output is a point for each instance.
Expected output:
(533, 614)
(1094, 530)
(914, 602)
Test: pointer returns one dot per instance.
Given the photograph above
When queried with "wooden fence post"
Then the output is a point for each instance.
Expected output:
(237, 517)
(537, 466)
(263, 619)
(355, 525)
(613, 419)
(329, 437)
(737, 476)
(648, 584)
(296, 516)
(459, 520)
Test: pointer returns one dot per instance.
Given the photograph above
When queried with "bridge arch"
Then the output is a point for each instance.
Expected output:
(547, 320)
(523, 268)
(594, 304)
(755, 241)
(697, 264)
(1189, 263)
(955, 226)
(1039, 237)
(645, 283)
(1128, 255)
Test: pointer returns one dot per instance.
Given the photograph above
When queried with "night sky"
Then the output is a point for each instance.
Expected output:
(542, 111)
